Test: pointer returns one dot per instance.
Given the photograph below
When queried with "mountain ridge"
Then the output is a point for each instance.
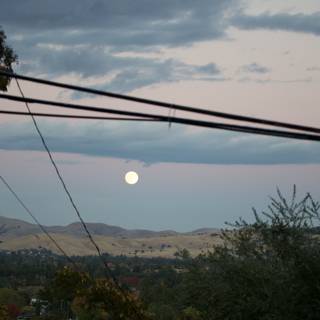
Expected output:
(16, 235)
(11, 227)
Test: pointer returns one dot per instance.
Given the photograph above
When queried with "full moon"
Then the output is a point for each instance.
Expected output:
(131, 177)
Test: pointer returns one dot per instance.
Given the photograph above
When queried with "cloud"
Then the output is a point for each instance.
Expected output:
(313, 69)
(124, 73)
(85, 37)
(304, 23)
(154, 143)
(254, 68)
(156, 72)
(118, 22)
(269, 80)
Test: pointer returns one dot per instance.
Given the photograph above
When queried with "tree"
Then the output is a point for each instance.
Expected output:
(91, 298)
(190, 313)
(4, 313)
(11, 302)
(183, 254)
(265, 270)
(7, 59)
(268, 269)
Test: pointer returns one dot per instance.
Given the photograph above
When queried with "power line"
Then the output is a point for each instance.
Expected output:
(43, 229)
(166, 104)
(65, 188)
(187, 121)
(109, 272)
(71, 116)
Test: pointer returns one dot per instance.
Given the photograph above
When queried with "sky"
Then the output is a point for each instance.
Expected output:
(251, 57)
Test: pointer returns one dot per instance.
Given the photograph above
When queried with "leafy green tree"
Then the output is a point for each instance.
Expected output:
(268, 269)
(161, 311)
(11, 296)
(183, 254)
(4, 313)
(190, 313)
(11, 302)
(92, 298)
(160, 292)
(7, 59)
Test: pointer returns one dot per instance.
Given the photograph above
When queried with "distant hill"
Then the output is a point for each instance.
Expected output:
(17, 234)
(14, 227)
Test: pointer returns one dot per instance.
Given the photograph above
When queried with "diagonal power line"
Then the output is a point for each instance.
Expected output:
(187, 121)
(163, 104)
(108, 270)
(43, 229)
(73, 116)
(59, 175)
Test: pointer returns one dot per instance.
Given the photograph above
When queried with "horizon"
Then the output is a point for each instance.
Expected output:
(30, 221)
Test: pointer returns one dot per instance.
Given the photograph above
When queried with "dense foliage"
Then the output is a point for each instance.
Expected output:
(63, 292)
(268, 269)
(7, 59)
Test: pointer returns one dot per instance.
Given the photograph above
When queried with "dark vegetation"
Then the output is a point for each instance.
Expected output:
(268, 269)
(7, 59)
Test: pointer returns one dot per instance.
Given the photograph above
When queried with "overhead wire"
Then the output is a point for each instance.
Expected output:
(148, 117)
(73, 116)
(163, 104)
(187, 121)
(42, 228)
(84, 225)
(59, 175)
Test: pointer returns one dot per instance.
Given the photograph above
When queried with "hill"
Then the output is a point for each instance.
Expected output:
(17, 235)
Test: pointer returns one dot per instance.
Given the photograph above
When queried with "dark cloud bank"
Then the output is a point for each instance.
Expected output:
(88, 38)
(154, 143)
(304, 23)
(85, 37)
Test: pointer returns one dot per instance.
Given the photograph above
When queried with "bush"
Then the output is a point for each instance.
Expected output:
(7, 59)
(269, 269)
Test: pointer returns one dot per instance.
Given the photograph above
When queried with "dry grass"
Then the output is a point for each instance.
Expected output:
(159, 246)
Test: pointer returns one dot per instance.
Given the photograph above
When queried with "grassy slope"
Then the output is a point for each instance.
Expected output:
(159, 246)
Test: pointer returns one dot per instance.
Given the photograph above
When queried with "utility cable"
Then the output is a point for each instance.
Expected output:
(73, 116)
(59, 173)
(108, 270)
(167, 105)
(43, 229)
(187, 121)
